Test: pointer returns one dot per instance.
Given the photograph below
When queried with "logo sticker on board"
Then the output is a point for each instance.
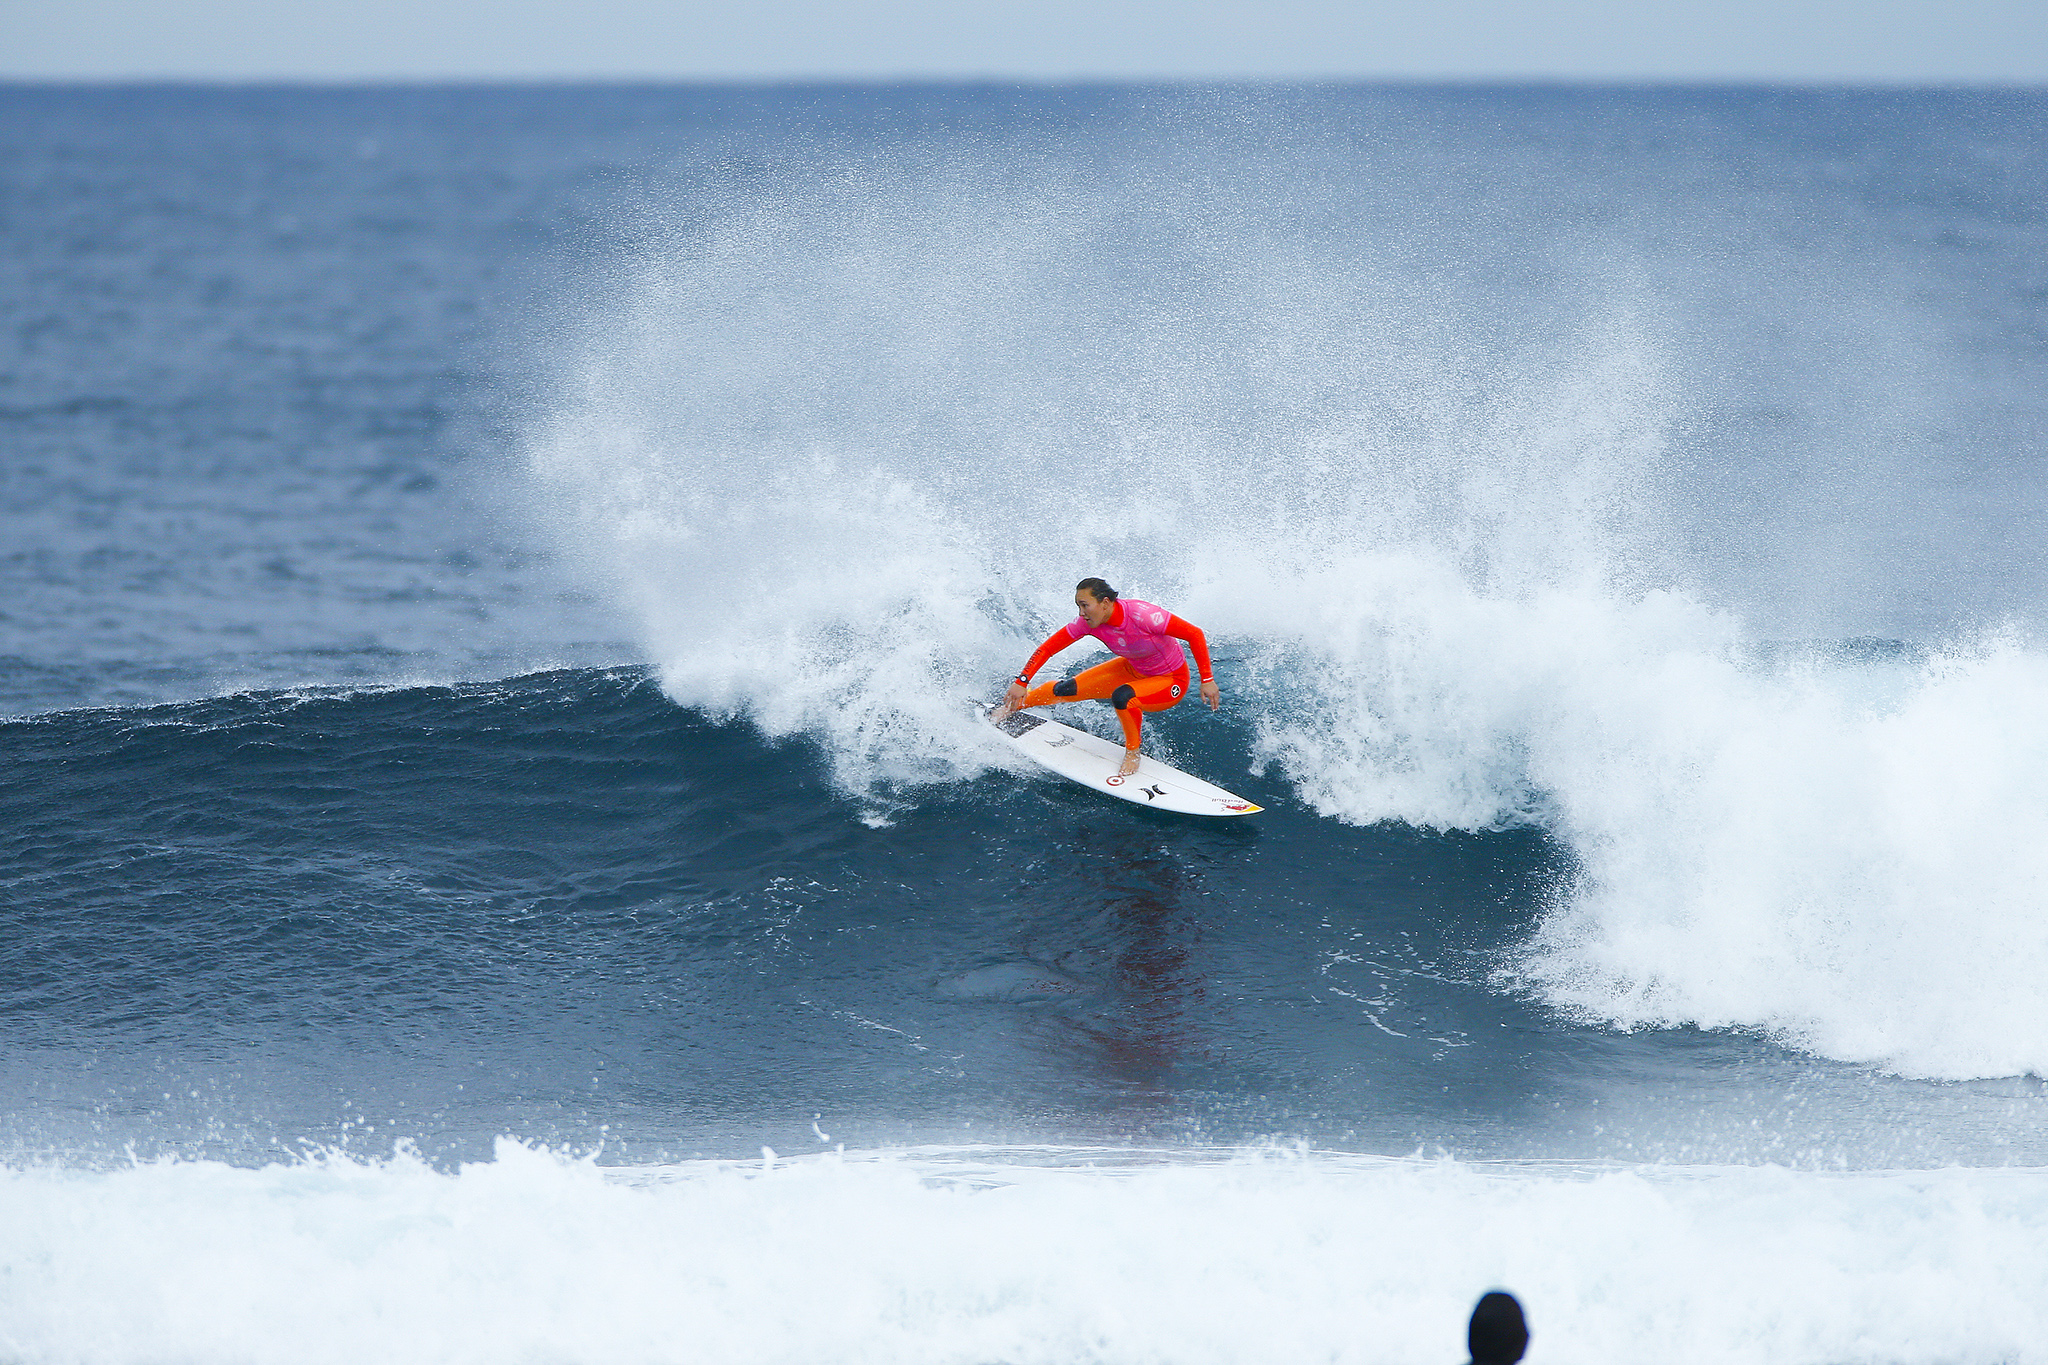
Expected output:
(1152, 792)
(1117, 780)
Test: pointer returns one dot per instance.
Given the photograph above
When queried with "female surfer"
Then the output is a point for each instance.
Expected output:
(1149, 674)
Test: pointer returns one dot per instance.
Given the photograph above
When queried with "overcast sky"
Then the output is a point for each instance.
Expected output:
(1829, 41)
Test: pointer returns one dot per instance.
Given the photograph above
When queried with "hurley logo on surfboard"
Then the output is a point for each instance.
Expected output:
(1151, 793)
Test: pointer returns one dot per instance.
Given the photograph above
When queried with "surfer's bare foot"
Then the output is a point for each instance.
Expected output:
(1130, 763)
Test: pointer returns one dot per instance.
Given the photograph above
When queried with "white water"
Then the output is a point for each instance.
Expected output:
(1022, 1256)
(845, 449)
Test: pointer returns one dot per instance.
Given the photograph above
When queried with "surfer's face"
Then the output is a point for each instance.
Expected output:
(1094, 610)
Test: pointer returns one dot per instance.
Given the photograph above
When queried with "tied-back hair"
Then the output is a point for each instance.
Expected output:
(1097, 588)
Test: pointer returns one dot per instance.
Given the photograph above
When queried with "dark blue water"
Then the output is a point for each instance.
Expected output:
(487, 579)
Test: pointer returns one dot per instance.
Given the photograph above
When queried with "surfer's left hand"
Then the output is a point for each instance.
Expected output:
(1212, 694)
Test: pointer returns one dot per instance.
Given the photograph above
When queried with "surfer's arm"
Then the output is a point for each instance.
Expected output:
(1013, 695)
(1054, 643)
(1198, 642)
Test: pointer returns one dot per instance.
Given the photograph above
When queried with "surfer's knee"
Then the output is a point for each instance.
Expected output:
(1065, 687)
(1123, 696)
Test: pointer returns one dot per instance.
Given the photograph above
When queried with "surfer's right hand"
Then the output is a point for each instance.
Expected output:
(1013, 696)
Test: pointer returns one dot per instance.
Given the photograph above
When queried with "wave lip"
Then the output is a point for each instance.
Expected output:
(1859, 877)
(1836, 846)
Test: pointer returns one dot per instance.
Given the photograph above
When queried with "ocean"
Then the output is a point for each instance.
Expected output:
(496, 862)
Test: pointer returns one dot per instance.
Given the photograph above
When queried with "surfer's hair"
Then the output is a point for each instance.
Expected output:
(1096, 589)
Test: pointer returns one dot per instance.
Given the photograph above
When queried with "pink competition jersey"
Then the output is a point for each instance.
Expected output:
(1141, 637)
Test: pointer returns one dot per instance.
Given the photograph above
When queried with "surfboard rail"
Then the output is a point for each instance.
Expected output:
(1092, 761)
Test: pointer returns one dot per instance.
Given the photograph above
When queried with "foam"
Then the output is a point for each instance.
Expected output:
(1840, 853)
(1777, 853)
(1020, 1256)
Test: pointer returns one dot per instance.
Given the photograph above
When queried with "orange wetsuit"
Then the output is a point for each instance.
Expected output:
(1149, 674)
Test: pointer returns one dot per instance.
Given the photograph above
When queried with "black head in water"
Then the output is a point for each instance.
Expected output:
(1498, 1334)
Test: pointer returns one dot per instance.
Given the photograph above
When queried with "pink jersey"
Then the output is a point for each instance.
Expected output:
(1140, 637)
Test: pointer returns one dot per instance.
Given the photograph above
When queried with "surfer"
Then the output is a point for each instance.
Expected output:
(1150, 673)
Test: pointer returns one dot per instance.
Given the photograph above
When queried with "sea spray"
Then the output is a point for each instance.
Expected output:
(846, 450)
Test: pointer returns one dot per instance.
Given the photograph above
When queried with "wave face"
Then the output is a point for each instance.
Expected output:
(561, 905)
(1489, 497)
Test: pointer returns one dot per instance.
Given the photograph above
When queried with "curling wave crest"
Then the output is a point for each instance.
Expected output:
(844, 450)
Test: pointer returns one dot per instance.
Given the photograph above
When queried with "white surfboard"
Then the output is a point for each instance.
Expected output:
(1092, 761)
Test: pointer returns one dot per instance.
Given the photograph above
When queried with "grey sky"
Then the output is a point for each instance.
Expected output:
(1876, 41)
